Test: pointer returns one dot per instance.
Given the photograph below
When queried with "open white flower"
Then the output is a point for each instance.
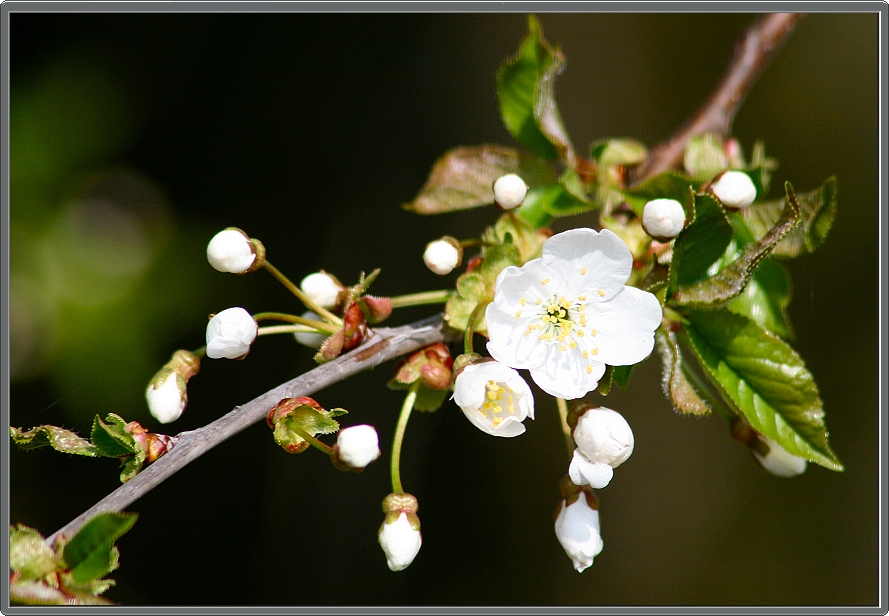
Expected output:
(577, 528)
(780, 462)
(231, 251)
(230, 334)
(494, 397)
(166, 396)
(322, 289)
(567, 314)
(358, 446)
(734, 189)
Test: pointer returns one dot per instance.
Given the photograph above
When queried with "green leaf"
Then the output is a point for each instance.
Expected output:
(29, 556)
(731, 280)
(760, 169)
(621, 375)
(527, 102)
(666, 185)
(700, 244)
(430, 399)
(90, 553)
(763, 379)
(111, 439)
(513, 230)
(765, 299)
(705, 157)
(59, 439)
(463, 177)
(609, 152)
(677, 387)
(557, 200)
(817, 211)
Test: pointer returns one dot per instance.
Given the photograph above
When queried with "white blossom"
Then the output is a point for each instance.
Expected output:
(230, 334)
(166, 396)
(400, 541)
(567, 314)
(230, 251)
(494, 397)
(604, 441)
(734, 189)
(509, 191)
(778, 461)
(577, 528)
(663, 218)
(321, 288)
(442, 256)
(358, 446)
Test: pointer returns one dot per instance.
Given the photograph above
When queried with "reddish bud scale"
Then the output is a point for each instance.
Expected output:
(154, 445)
(376, 309)
(287, 406)
(474, 262)
(431, 365)
(354, 327)
(571, 492)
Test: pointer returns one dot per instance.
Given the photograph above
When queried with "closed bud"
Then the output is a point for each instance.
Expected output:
(734, 188)
(443, 256)
(230, 334)
(509, 191)
(774, 458)
(231, 250)
(577, 526)
(376, 309)
(399, 535)
(356, 447)
(322, 288)
(309, 339)
(154, 445)
(166, 393)
(663, 219)
(431, 366)
(604, 441)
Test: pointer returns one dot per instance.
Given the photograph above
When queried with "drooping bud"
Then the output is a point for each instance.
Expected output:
(442, 256)
(323, 289)
(356, 447)
(166, 393)
(734, 188)
(577, 524)
(399, 535)
(604, 441)
(663, 219)
(230, 334)
(231, 250)
(509, 191)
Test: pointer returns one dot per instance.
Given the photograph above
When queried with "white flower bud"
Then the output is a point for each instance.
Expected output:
(231, 251)
(509, 191)
(778, 461)
(735, 189)
(313, 341)
(604, 441)
(442, 256)
(577, 528)
(230, 334)
(358, 446)
(663, 218)
(400, 535)
(166, 396)
(321, 288)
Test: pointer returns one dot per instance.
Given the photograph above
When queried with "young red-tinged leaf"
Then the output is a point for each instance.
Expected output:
(462, 178)
(59, 439)
(731, 280)
(678, 389)
(762, 378)
(817, 210)
(90, 553)
(527, 102)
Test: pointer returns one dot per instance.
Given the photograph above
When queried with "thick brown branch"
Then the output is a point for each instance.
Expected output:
(385, 344)
(753, 52)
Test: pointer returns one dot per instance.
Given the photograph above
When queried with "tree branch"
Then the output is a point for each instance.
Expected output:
(753, 52)
(383, 345)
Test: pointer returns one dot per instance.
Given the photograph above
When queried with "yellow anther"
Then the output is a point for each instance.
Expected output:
(580, 333)
(544, 281)
(601, 293)
(572, 344)
(583, 320)
(542, 337)
(539, 301)
(589, 369)
(522, 301)
(562, 347)
(586, 354)
(581, 298)
(518, 314)
(594, 352)
(593, 332)
(583, 272)
(497, 421)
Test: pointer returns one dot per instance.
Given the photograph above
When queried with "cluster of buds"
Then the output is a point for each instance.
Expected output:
(400, 535)
(167, 394)
(604, 442)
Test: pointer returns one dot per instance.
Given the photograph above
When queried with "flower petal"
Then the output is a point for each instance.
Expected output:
(564, 375)
(592, 261)
(510, 342)
(533, 281)
(625, 326)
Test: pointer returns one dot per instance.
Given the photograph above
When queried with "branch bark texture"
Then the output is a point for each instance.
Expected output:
(384, 345)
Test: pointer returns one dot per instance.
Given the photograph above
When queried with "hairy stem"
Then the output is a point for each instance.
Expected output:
(385, 344)
(753, 52)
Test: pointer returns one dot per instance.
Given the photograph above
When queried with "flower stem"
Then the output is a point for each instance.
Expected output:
(395, 462)
(326, 314)
(470, 328)
(421, 299)
(309, 438)
(287, 329)
(566, 430)
(290, 318)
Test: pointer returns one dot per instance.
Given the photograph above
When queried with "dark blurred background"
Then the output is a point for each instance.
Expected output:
(135, 138)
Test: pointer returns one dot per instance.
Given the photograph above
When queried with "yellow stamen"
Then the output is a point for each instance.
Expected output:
(583, 272)
(518, 314)
(544, 281)
(589, 369)
(522, 301)
(581, 298)
(594, 352)
(593, 332)
(601, 293)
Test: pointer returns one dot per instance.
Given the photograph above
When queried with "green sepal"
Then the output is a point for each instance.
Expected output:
(59, 439)
(731, 280)
(677, 387)
(517, 231)
(760, 169)
(90, 553)
(705, 157)
(700, 244)
(527, 102)
(817, 209)
(610, 151)
(666, 185)
(477, 287)
(621, 375)
(463, 177)
(604, 386)
(762, 378)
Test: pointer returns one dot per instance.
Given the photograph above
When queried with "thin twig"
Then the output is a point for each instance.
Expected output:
(385, 344)
(753, 52)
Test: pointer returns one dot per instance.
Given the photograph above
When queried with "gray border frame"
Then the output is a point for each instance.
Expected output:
(873, 6)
